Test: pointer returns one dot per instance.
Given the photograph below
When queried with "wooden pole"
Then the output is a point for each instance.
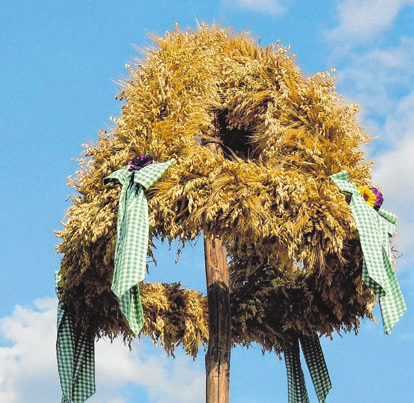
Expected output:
(219, 323)
(219, 343)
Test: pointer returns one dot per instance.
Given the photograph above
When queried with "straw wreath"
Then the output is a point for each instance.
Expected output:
(294, 254)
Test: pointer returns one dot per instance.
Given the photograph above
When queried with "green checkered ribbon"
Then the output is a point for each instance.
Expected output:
(375, 229)
(132, 238)
(312, 351)
(75, 356)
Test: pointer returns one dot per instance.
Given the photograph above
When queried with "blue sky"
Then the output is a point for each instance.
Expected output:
(60, 63)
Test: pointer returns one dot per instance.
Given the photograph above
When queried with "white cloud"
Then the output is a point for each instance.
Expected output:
(28, 370)
(393, 173)
(400, 125)
(378, 77)
(274, 7)
(395, 167)
(360, 22)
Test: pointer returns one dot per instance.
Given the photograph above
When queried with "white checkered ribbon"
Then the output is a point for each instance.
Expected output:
(375, 229)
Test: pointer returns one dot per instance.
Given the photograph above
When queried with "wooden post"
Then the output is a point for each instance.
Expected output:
(219, 322)
(219, 342)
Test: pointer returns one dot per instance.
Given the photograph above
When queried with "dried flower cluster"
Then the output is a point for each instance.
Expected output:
(293, 248)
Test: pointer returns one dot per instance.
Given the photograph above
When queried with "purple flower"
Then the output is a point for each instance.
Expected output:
(379, 198)
(138, 163)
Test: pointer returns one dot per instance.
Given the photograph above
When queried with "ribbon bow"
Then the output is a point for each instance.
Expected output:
(132, 238)
(76, 350)
(375, 229)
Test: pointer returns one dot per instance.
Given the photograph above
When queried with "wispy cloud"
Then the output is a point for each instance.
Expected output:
(274, 7)
(379, 76)
(359, 22)
(394, 169)
(28, 370)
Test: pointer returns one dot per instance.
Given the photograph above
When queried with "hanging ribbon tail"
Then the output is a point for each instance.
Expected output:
(392, 304)
(375, 229)
(75, 353)
(297, 392)
(131, 307)
(312, 351)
